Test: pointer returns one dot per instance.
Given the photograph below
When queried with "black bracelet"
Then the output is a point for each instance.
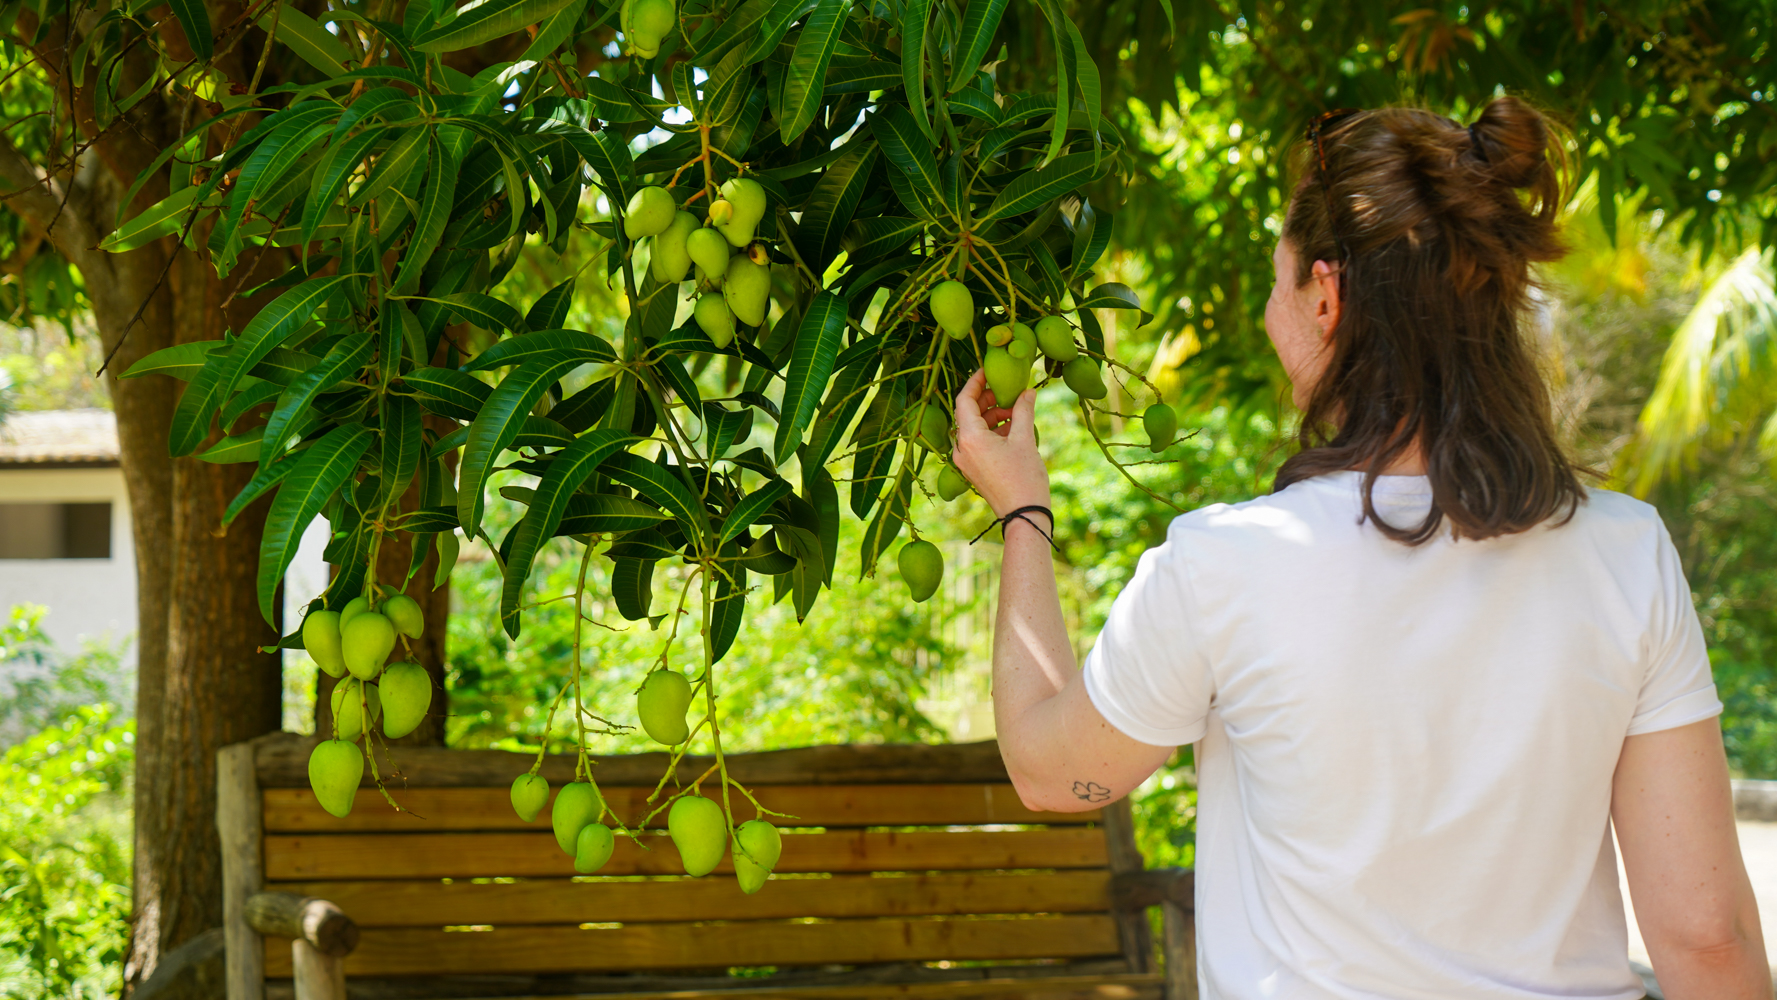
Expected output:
(1022, 515)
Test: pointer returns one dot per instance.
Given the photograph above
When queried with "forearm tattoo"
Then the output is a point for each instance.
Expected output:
(1091, 791)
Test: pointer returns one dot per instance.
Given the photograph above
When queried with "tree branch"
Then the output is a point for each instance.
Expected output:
(39, 199)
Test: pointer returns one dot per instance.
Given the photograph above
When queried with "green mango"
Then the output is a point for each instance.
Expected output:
(1161, 423)
(748, 198)
(721, 212)
(576, 804)
(1056, 339)
(335, 768)
(650, 211)
(365, 643)
(646, 23)
(1006, 376)
(953, 308)
(714, 318)
(669, 256)
(951, 483)
(348, 707)
(354, 607)
(1023, 334)
(407, 694)
(320, 636)
(404, 613)
(593, 848)
(1082, 376)
(661, 705)
(756, 849)
(709, 250)
(1023, 350)
(747, 289)
(922, 566)
(933, 427)
(699, 831)
(999, 335)
(529, 794)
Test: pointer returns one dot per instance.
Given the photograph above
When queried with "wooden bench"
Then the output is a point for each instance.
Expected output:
(910, 871)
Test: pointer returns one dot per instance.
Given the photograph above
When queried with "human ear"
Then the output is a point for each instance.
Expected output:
(1327, 306)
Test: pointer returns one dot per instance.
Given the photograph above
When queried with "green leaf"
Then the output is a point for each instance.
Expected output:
(817, 344)
(181, 361)
(331, 175)
(907, 149)
(558, 345)
(632, 586)
(554, 30)
(603, 513)
(1041, 185)
(486, 311)
(196, 22)
(1087, 71)
(428, 225)
(550, 310)
(773, 26)
(914, 17)
(403, 441)
(494, 428)
(1114, 295)
(163, 218)
(830, 206)
(751, 507)
(448, 392)
(729, 605)
(821, 493)
(542, 432)
(805, 78)
(262, 481)
(980, 21)
(485, 21)
(843, 401)
(305, 36)
(243, 447)
(343, 361)
(658, 485)
(868, 239)
(430, 519)
(319, 472)
(567, 470)
(394, 164)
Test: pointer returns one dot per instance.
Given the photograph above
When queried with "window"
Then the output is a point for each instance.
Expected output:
(55, 530)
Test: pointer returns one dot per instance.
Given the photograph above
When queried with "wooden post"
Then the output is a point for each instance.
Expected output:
(239, 816)
(317, 921)
(1179, 929)
(319, 976)
(1125, 856)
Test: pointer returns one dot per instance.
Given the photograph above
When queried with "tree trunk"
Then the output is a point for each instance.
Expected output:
(201, 682)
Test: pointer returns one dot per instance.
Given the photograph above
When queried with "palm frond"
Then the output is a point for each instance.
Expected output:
(1718, 380)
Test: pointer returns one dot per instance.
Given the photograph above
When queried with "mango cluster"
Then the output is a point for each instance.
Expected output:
(357, 640)
(733, 287)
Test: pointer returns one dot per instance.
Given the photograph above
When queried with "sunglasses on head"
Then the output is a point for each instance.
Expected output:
(1317, 129)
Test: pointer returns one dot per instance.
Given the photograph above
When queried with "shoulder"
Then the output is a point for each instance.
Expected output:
(1289, 515)
(1613, 515)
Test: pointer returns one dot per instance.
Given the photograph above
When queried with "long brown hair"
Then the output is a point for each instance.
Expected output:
(1435, 226)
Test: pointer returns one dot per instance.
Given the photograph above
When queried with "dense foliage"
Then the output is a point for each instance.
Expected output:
(65, 857)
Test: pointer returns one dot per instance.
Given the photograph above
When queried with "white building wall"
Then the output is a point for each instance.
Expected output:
(96, 598)
(86, 598)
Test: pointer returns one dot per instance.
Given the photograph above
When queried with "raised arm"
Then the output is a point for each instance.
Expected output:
(1673, 811)
(1061, 753)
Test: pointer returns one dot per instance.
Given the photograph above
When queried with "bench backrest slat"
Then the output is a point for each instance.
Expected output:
(557, 901)
(634, 947)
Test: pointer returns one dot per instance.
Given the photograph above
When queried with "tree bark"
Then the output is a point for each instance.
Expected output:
(201, 683)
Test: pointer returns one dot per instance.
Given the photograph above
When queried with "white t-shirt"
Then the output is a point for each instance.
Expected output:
(1404, 754)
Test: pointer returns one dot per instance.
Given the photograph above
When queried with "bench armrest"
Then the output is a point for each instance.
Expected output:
(1154, 886)
(317, 921)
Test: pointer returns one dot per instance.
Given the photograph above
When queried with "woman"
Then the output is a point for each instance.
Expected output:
(1428, 674)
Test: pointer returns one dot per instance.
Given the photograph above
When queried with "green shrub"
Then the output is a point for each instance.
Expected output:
(65, 857)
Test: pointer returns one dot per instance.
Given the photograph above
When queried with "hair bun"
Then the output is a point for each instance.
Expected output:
(1513, 139)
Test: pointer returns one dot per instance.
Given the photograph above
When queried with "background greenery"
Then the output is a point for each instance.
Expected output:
(1671, 108)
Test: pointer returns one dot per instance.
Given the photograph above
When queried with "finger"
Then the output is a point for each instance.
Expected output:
(1024, 416)
(996, 416)
(969, 406)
